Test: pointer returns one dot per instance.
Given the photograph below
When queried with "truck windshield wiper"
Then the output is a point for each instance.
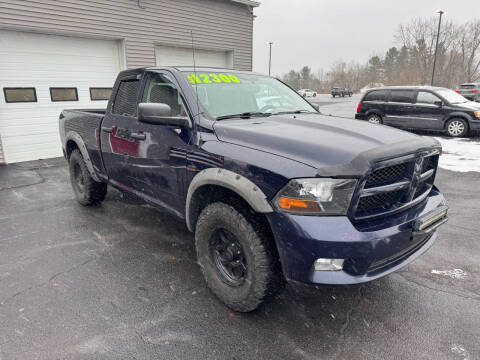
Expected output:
(294, 112)
(244, 115)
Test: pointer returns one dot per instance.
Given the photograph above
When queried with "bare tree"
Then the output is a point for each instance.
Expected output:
(469, 48)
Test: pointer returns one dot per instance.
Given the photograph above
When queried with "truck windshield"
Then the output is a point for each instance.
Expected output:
(225, 95)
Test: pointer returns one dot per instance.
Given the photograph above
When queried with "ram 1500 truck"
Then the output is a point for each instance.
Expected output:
(273, 191)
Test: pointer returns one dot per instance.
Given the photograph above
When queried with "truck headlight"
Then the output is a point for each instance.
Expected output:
(316, 196)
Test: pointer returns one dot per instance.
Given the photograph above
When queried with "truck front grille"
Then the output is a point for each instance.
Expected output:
(393, 187)
(386, 175)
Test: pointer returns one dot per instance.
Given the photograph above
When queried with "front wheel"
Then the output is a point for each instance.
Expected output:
(236, 258)
(374, 119)
(87, 190)
(457, 128)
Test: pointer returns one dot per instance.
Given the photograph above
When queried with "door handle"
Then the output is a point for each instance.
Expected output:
(107, 129)
(138, 136)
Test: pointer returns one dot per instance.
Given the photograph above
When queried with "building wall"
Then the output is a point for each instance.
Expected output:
(216, 24)
(140, 25)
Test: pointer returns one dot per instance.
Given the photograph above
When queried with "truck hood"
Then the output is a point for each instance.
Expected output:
(317, 140)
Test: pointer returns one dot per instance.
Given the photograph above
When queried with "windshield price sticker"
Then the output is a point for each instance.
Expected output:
(213, 78)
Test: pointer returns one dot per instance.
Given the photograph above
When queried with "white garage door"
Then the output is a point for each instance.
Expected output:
(180, 56)
(42, 74)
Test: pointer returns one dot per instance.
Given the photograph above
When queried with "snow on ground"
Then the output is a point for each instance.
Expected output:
(460, 154)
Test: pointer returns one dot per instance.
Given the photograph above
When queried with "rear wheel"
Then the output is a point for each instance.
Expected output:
(457, 127)
(236, 258)
(374, 119)
(87, 190)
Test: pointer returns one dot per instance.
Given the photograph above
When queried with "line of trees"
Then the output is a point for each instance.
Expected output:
(410, 62)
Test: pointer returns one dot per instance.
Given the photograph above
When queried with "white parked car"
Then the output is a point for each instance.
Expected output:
(307, 93)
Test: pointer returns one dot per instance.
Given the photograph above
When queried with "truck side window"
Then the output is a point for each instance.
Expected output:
(160, 89)
(126, 98)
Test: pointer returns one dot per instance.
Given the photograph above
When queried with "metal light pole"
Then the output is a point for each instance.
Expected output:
(270, 58)
(441, 12)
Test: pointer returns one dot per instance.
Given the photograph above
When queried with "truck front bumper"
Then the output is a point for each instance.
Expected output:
(370, 250)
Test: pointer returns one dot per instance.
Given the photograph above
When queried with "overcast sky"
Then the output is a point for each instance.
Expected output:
(318, 32)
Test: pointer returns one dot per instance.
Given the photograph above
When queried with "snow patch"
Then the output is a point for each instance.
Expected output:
(459, 350)
(454, 274)
(460, 155)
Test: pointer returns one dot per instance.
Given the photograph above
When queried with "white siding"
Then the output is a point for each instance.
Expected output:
(183, 56)
(30, 130)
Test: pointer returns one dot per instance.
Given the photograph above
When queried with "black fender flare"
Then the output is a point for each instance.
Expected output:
(239, 184)
(75, 137)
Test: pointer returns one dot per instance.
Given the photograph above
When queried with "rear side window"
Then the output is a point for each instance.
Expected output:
(376, 95)
(401, 96)
(126, 98)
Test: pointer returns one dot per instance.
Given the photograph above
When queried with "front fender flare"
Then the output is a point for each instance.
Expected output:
(239, 184)
(74, 136)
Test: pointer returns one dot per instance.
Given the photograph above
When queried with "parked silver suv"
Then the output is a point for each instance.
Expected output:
(471, 91)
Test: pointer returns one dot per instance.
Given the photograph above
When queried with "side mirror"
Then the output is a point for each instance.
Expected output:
(316, 106)
(438, 103)
(160, 114)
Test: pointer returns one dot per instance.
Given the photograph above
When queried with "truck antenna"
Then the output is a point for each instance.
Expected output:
(195, 73)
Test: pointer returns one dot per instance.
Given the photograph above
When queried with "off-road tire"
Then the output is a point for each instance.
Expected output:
(263, 275)
(87, 191)
(460, 130)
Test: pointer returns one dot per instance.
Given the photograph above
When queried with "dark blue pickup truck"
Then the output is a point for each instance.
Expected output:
(272, 189)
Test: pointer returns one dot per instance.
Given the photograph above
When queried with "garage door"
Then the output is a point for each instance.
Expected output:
(180, 56)
(42, 74)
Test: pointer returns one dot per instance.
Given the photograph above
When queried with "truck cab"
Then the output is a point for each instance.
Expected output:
(273, 190)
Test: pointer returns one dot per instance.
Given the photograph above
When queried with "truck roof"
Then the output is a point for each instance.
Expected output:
(194, 69)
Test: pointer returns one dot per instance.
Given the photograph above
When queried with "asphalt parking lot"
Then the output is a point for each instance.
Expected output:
(120, 281)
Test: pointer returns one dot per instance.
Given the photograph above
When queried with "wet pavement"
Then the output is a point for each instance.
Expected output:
(120, 281)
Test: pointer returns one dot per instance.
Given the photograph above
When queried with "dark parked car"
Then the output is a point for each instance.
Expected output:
(270, 189)
(340, 91)
(420, 107)
(471, 91)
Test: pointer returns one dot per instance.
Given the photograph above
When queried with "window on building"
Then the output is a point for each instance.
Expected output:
(402, 96)
(100, 93)
(427, 98)
(63, 94)
(376, 95)
(20, 94)
(126, 98)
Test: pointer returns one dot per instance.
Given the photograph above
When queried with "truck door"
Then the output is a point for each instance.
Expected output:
(157, 167)
(116, 143)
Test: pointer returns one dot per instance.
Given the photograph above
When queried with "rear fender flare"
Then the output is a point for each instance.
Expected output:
(73, 136)
(239, 184)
